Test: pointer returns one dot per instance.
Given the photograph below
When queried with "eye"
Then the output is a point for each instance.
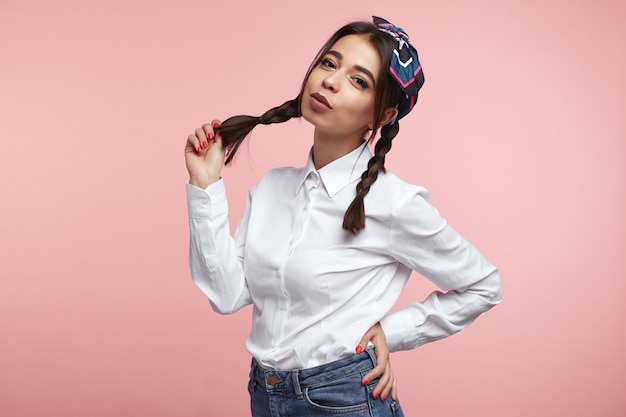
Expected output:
(325, 62)
(361, 82)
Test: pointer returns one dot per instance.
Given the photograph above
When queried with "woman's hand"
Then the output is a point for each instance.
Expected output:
(387, 382)
(204, 155)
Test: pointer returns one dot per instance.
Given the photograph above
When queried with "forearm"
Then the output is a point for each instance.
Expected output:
(214, 262)
(441, 314)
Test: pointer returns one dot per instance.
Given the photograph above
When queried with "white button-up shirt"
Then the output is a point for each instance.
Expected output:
(315, 288)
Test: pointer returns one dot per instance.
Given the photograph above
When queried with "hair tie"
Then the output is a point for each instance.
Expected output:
(404, 67)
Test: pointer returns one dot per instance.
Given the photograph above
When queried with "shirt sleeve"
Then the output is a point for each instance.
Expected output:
(215, 257)
(422, 240)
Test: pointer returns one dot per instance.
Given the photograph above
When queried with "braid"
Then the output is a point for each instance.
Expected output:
(354, 219)
(236, 128)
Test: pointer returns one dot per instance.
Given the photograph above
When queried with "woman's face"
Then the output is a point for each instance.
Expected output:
(338, 97)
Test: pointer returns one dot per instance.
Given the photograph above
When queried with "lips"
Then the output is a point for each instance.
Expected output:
(321, 99)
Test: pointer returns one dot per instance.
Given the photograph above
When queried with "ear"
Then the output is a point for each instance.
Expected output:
(389, 115)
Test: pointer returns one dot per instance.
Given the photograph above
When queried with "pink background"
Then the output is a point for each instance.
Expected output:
(520, 135)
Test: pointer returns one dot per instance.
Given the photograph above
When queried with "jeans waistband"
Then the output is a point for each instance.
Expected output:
(296, 379)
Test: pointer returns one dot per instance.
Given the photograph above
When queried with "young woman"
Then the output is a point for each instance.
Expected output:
(324, 251)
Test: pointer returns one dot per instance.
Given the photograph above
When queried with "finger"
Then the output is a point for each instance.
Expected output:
(386, 388)
(367, 337)
(202, 137)
(376, 372)
(193, 143)
(394, 389)
(207, 129)
(362, 343)
(382, 361)
(210, 128)
(381, 386)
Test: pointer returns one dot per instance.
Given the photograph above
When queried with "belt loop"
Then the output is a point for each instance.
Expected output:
(370, 351)
(296, 384)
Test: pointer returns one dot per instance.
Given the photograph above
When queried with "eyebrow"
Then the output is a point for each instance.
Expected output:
(364, 70)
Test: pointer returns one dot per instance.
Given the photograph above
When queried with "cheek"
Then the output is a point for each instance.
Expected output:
(313, 78)
(364, 109)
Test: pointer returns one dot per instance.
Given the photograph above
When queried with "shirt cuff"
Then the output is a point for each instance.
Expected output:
(399, 329)
(207, 203)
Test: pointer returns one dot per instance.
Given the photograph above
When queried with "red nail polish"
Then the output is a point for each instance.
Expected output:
(215, 124)
(209, 135)
(359, 349)
(199, 149)
(365, 382)
(375, 395)
(383, 397)
(204, 144)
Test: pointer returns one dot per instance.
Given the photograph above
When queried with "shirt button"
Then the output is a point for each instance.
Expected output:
(205, 202)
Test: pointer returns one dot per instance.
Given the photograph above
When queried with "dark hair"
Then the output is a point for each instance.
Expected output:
(388, 94)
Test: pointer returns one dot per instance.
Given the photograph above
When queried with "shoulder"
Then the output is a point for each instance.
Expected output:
(402, 213)
(403, 204)
(397, 191)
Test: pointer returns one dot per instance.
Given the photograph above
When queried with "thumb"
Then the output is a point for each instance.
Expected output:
(367, 337)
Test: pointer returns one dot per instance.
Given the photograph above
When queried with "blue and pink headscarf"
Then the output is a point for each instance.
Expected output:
(405, 67)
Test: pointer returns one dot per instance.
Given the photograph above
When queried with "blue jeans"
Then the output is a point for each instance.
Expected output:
(331, 389)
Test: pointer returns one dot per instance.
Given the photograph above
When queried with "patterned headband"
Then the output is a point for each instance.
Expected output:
(405, 67)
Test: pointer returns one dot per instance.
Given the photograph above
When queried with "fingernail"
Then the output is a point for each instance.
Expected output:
(204, 144)
(359, 349)
(209, 135)
(365, 382)
(383, 397)
(375, 395)
(215, 124)
(199, 149)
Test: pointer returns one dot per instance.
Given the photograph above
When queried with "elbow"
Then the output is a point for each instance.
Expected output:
(223, 300)
(222, 303)
(493, 294)
(223, 308)
(489, 290)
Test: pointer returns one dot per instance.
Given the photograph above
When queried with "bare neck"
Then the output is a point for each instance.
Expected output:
(327, 148)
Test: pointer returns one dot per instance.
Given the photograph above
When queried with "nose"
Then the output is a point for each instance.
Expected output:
(330, 82)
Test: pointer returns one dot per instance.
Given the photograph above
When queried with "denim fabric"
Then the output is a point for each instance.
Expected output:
(331, 389)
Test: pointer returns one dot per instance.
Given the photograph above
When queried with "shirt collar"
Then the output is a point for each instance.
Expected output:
(339, 173)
